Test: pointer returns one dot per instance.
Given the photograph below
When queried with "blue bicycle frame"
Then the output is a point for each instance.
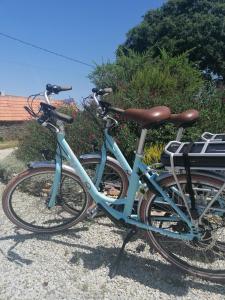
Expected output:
(139, 169)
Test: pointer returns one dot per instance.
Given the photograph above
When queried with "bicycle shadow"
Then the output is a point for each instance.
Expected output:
(149, 272)
(179, 248)
(19, 238)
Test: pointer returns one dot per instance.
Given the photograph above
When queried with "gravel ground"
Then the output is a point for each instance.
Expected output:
(5, 152)
(76, 265)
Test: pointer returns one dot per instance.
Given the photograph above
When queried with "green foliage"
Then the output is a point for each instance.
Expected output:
(141, 82)
(144, 82)
(10, 166)
(81, 135)
(35, 139)
(181, 25)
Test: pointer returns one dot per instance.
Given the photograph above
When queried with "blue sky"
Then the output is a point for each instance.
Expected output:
(86, 30)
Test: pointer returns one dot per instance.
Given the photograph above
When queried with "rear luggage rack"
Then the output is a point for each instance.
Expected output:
(207, 136)
(206, 155)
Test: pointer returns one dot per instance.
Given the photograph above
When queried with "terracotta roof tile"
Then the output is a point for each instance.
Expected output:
(12, 108)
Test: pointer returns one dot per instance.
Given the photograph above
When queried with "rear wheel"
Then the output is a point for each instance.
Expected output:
(114, 182)
(204, 257)
(25, 201)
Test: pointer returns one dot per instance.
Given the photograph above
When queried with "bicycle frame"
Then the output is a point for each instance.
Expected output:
(139, 169)
(110, 145)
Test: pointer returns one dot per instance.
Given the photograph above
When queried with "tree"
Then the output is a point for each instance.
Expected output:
(197, 26)
(139, 81)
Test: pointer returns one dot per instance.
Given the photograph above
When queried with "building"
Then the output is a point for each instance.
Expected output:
(13, 115)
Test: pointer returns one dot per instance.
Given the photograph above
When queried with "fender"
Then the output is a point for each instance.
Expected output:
(49, 164)
(83, 157)
(98, 156)
(164, 175)
(216, 175)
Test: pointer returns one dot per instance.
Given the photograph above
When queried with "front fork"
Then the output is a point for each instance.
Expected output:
(57, 179)
(58, 174)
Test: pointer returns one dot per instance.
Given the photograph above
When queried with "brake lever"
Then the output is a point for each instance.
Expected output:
(29, 111)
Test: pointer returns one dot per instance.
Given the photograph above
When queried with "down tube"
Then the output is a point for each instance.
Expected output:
(57, 179)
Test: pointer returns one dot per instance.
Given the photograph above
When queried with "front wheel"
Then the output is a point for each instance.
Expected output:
(204, 257)
(25, 200)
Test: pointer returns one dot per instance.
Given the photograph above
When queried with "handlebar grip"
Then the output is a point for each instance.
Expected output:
(107, 90)
(65, 88)
(61, 116)
(102, 92)
(55, 89)
(108, 107)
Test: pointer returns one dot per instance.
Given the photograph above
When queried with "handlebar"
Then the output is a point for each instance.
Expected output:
(51, 112)
(108, 107)
(102, 92)
(104, 106)
(55, 89)
(48, 111)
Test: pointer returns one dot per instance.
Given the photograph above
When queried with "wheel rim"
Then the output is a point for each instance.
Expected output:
(112, 183)
(205, 258)
(27, 201)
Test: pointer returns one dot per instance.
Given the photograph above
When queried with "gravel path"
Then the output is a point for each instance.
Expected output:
(76, 264)
(5, 152)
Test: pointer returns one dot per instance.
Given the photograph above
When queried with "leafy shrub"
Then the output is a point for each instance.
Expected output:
(142, 82)
(81, 135)
(10, 166)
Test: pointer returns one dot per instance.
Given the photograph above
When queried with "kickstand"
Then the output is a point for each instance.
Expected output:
(116, 264)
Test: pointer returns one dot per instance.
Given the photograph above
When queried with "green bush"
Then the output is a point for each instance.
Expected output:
(138, 81)
(143, 82)
(10, 166)
(83, 135)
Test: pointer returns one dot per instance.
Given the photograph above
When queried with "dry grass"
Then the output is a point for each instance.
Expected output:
(8, 144)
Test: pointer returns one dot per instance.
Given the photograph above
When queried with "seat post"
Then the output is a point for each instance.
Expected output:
(141, 142)
(179, 134)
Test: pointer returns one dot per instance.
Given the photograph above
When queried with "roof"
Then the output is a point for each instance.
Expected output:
(12, 108)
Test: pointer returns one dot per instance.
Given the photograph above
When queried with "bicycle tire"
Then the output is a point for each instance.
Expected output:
(113, 176)
(29, 185)
(172, 249)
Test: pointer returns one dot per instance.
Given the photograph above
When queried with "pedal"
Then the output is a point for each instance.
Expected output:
(92, 212)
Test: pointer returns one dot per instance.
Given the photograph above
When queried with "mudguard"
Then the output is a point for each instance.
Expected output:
(216, 175)
(48, 164)
(83, 157)
(164, 175)
(98, 156)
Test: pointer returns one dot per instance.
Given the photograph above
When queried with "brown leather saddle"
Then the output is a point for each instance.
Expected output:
(157, 115)
(148, 118)
(185, 119)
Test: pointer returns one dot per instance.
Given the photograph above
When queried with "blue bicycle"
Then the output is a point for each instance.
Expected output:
(186, 228)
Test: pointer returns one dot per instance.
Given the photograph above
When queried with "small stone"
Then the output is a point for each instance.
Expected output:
(140, 248)
(45, 283)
